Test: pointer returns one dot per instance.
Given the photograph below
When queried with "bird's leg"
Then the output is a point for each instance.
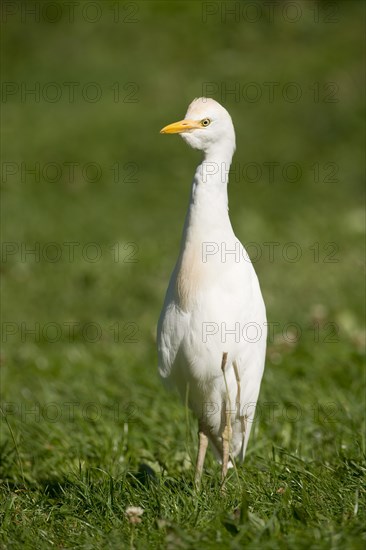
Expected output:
(242, 417)
(202, 448)
(226, 438)
(236, 371)
(226, 434)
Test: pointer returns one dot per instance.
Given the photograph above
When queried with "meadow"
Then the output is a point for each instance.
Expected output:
(93, 203)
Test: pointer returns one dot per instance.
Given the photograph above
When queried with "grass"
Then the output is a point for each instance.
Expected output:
(87, 429)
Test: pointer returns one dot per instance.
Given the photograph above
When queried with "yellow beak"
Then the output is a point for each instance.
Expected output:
(181, 126)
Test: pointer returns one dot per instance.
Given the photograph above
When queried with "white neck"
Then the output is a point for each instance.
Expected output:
(207, 221)
(208, 208)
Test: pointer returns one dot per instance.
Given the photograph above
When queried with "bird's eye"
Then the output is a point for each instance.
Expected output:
(205, 122)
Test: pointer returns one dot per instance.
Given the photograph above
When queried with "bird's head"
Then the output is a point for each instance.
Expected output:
(207, 126)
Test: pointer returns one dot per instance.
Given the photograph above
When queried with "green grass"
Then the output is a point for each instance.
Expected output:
(87, 428)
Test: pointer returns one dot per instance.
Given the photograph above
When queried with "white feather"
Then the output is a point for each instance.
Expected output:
(213, 290)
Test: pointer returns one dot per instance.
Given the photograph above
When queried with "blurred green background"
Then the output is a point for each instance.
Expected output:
(106, 77)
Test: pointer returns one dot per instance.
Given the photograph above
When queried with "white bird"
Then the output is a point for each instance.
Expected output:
(212, 328)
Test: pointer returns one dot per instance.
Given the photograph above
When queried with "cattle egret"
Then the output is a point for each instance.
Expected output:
(212, 328)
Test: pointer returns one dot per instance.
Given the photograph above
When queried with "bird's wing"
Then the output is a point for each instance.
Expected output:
(171, 330)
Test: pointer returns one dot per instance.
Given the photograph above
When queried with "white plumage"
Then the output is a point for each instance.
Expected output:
(212, 328)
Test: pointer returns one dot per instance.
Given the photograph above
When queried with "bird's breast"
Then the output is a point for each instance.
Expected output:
(216, 262)
(191, 273)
